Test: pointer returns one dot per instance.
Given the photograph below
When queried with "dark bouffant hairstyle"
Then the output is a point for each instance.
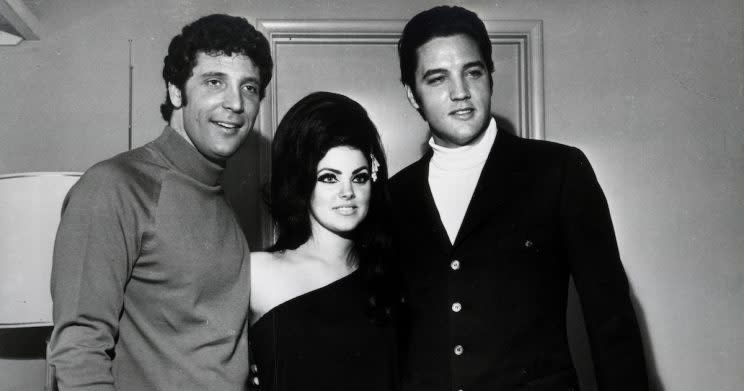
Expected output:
(313, 126)
(441, 21)
(216, 34)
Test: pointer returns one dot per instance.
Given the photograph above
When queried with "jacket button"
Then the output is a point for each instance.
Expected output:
(455, 265)
(459, 350)
(456, 307)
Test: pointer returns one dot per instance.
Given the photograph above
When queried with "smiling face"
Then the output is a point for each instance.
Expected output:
(223, 101)
(452, 90)
(343, 187)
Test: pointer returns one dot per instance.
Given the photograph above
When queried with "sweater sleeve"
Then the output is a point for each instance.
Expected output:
(94, 252)
(600, 279)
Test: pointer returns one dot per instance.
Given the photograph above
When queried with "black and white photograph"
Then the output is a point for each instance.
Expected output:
(383, 195)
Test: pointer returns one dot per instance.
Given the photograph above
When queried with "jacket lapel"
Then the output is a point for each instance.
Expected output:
(499, 181)
(427, 212)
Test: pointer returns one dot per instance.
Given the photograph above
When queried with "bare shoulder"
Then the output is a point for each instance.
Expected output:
(259, 258)
(263, 263)
(267, 277)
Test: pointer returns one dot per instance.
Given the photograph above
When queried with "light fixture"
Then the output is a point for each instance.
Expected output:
(17, 23)
(30, 207)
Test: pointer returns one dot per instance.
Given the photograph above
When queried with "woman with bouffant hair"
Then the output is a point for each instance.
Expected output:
(323, 296)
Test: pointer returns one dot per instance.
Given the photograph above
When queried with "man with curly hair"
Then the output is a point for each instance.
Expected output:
(150, 274)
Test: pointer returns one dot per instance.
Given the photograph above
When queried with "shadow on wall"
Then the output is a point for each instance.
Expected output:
(244, 182)
(503, 124)
(653, 373)
(581, 352)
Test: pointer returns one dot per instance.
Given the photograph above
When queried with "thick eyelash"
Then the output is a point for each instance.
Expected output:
(363, 177)
(326, 178)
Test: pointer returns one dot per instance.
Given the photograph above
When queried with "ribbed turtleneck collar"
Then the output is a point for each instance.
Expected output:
(465, 157)
(187, 159)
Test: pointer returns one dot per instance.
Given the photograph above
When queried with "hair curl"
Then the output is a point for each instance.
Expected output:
(216, 34)
(313, 126)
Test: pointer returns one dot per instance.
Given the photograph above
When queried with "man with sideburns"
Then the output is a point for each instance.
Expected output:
(490, 228)
(151, 269)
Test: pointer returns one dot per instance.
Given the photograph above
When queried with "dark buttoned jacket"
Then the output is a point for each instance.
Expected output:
(488, 312)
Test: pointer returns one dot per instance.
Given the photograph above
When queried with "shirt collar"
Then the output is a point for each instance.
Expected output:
(186, 159)
(467, 156)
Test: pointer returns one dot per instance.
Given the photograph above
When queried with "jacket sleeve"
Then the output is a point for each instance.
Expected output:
(591, 249)
(91, 265)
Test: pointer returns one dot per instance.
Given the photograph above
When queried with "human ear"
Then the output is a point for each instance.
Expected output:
(411, 97)
(174, 94)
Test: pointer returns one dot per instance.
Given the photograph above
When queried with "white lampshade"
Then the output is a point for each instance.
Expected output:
(30, 206)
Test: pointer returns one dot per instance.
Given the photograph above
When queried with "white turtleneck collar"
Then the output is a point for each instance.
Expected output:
(466, 157)
(457, 168)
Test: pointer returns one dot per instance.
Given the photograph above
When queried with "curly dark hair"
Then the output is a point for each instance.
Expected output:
(441, 21)
(216, 34)
(313, 126)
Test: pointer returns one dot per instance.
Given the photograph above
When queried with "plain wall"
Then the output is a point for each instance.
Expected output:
(651, 91)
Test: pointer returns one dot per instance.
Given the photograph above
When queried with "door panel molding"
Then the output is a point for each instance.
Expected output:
(525, 35)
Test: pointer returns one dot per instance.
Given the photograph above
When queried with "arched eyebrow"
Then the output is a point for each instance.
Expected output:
(337, 172)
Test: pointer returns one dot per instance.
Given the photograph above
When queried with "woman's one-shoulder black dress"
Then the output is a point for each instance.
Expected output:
(325, 340)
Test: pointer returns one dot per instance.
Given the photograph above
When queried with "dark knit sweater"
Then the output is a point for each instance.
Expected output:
(150, 276)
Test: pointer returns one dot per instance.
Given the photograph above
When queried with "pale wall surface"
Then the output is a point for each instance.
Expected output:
(652, 91)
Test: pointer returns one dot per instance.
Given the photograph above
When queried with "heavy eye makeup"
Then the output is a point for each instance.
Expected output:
(327, 177)
(362, 177)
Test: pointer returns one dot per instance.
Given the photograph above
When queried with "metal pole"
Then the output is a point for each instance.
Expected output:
(131, 70)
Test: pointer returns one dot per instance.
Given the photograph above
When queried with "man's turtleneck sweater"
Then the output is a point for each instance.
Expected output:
(453, 174)
(150, 276)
